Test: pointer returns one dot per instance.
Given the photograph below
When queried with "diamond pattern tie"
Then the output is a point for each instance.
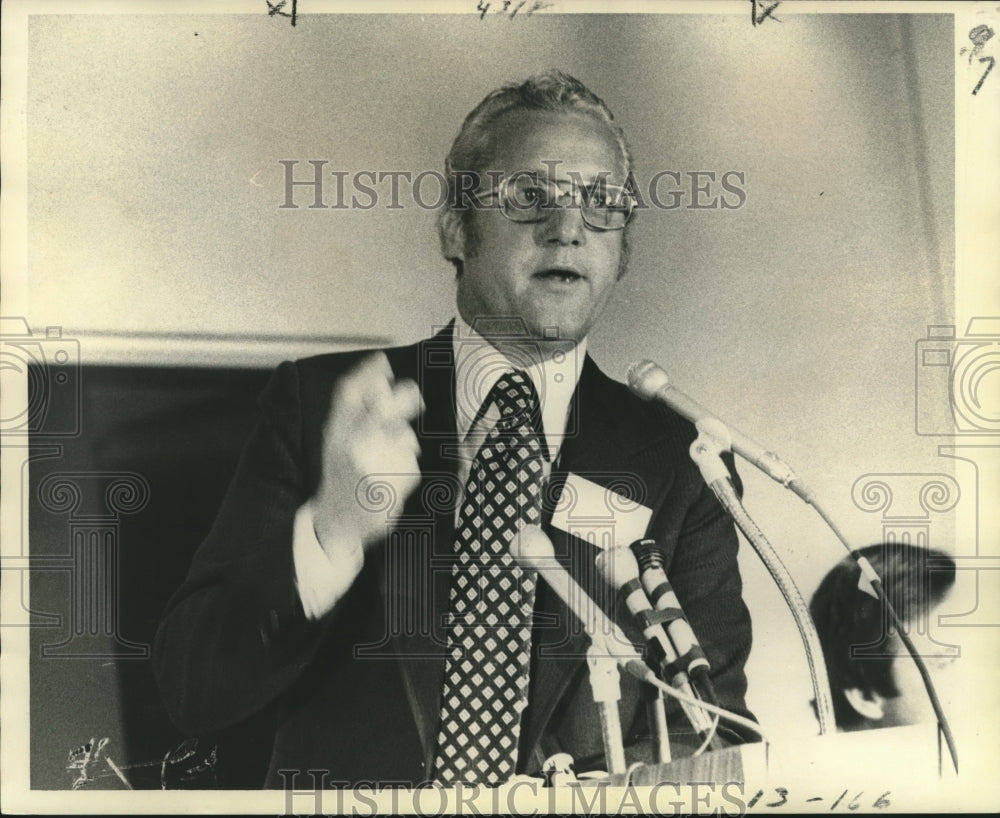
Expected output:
(491, 597)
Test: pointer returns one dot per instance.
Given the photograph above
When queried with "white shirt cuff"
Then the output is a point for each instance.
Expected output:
(322, 575)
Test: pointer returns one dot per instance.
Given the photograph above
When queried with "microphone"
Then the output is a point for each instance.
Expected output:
(654, 580)
(620, 570)
(647, 380)
(533, 550)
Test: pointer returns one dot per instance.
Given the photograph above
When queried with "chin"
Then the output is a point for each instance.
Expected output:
(568, 328)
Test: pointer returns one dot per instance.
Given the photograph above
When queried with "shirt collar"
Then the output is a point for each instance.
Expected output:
(479, 364)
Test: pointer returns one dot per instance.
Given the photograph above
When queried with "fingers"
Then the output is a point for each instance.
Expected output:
(365, 387)
(407, 402)
(368, 435)
(368, 405)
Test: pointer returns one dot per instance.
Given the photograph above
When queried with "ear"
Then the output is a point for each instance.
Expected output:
(870, 705)
(452, 234)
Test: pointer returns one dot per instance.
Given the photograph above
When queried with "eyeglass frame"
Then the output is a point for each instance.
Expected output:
(545, 211)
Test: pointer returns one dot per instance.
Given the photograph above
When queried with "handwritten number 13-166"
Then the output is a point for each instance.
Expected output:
(880, 803)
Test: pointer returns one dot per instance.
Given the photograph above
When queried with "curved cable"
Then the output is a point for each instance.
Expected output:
(708, 739)
(806, 494)
(638, 668)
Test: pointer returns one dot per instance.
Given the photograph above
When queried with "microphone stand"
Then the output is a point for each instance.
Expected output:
(656, 716)
(607, 692)
(534, 550)
(713, 439)
(772, 465)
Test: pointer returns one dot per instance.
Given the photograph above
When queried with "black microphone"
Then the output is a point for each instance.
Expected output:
(691, 656)
(649, 381)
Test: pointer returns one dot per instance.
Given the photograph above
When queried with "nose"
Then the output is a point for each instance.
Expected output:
(563, 226)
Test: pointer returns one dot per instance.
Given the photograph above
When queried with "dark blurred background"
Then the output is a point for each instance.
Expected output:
(115, 518)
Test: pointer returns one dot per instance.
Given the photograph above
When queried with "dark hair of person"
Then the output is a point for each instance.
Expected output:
(853, 627)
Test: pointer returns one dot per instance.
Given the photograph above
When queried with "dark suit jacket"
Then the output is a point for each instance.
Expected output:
(358, 692)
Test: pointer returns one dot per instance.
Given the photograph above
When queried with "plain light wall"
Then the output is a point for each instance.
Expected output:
(155, 188)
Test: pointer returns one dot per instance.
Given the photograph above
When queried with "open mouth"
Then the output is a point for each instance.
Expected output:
(561, 275)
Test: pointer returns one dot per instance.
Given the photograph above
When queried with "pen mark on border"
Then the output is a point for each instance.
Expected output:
(537, 5)
(980, 35)
(992, 61)
(276, 9)
(767, 12)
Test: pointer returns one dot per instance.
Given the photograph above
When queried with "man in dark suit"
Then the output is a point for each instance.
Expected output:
(319, 603)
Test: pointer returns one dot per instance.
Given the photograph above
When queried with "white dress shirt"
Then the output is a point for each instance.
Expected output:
(324, 575)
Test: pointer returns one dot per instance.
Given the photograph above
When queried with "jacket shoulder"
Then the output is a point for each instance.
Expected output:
(646, 419)
(322, 370)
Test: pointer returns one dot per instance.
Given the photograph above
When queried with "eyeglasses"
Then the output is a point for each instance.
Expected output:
(527, 197)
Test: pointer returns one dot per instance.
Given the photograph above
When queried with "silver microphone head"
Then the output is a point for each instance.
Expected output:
(646, 378)
(617, 565)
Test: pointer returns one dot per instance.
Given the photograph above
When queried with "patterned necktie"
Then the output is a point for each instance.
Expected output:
(491, 598)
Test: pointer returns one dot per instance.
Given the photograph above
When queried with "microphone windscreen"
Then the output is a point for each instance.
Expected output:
(617, 566)
(646, 379)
